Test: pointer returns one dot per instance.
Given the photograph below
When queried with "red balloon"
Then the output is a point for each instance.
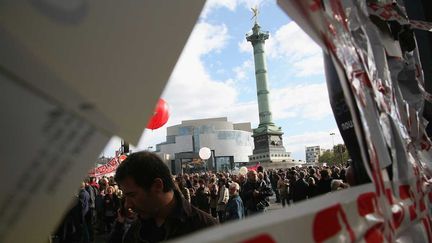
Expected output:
(160, 115)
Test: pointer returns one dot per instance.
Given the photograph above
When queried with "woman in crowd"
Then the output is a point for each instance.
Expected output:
(223, 196)
(111, 206)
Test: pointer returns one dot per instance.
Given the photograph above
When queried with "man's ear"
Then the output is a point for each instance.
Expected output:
(158, 185)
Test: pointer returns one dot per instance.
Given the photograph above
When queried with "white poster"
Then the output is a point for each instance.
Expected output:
(45, 151)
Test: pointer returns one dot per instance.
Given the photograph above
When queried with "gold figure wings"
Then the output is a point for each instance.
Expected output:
(255, 13)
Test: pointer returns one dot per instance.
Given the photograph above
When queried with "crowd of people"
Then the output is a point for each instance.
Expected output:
(153, 199)
(93, 211)
(207, 191)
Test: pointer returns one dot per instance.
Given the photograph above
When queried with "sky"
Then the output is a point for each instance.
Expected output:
(214, 77)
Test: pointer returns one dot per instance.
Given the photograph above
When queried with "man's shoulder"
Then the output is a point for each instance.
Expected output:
(132, 234)
(84, 193)
(249, 185)
(238, 200)
(200, 217)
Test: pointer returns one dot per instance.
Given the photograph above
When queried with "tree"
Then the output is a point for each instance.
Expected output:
(340, 154)
(326, 157)
(337, 156)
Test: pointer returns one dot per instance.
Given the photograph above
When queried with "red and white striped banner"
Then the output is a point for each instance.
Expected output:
(109, 167)
(392, 12)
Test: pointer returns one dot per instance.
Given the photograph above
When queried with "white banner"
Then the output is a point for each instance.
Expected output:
(46, 151)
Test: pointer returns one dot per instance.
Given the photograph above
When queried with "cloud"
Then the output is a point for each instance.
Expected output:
(244, 70)
(191, 92)
(212, 5)
(244, 112)
(290, 42)
(150, 138)
(312, 65)
(245, 46)
(296, 144)
(231, 5)
(147, 142)
(306, 101)
(113, 145)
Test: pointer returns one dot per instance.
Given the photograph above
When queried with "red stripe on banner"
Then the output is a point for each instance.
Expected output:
(425, 143)
(427, 225)
(302, 10)
(374, 180)
(330, 45)
(404, 192)
(389, 195)
(418, 70)
(376, 171)
(397, 212)
(326, 224)
(374, 234)
(109, 167)
(315, 5)
(398, 217)
(366, 203)
(386, 14)
(264, 238)
(373, 6)
(422, 204)
(339, 13)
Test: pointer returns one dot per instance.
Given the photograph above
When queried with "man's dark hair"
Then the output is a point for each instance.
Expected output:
(260, 168)
(301, 174)
(144, 168)
(325, 174)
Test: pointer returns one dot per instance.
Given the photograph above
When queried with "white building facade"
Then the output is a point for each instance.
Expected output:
(313, 154)
(230, 143)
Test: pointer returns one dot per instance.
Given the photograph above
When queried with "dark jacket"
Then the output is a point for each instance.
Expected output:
(84, 199)
(111, 205)
(252, 201)
(202, 199)
(234, 208)
(299, 190)
(312, 191)
(93, 193)
(324, 186)
(184, 219)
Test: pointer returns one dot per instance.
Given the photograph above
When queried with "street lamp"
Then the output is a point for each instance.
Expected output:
(332, 134)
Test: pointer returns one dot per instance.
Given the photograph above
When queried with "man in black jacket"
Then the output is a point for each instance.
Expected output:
(149, 191)
(255, 193)
(324, 184)
(300, 188)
